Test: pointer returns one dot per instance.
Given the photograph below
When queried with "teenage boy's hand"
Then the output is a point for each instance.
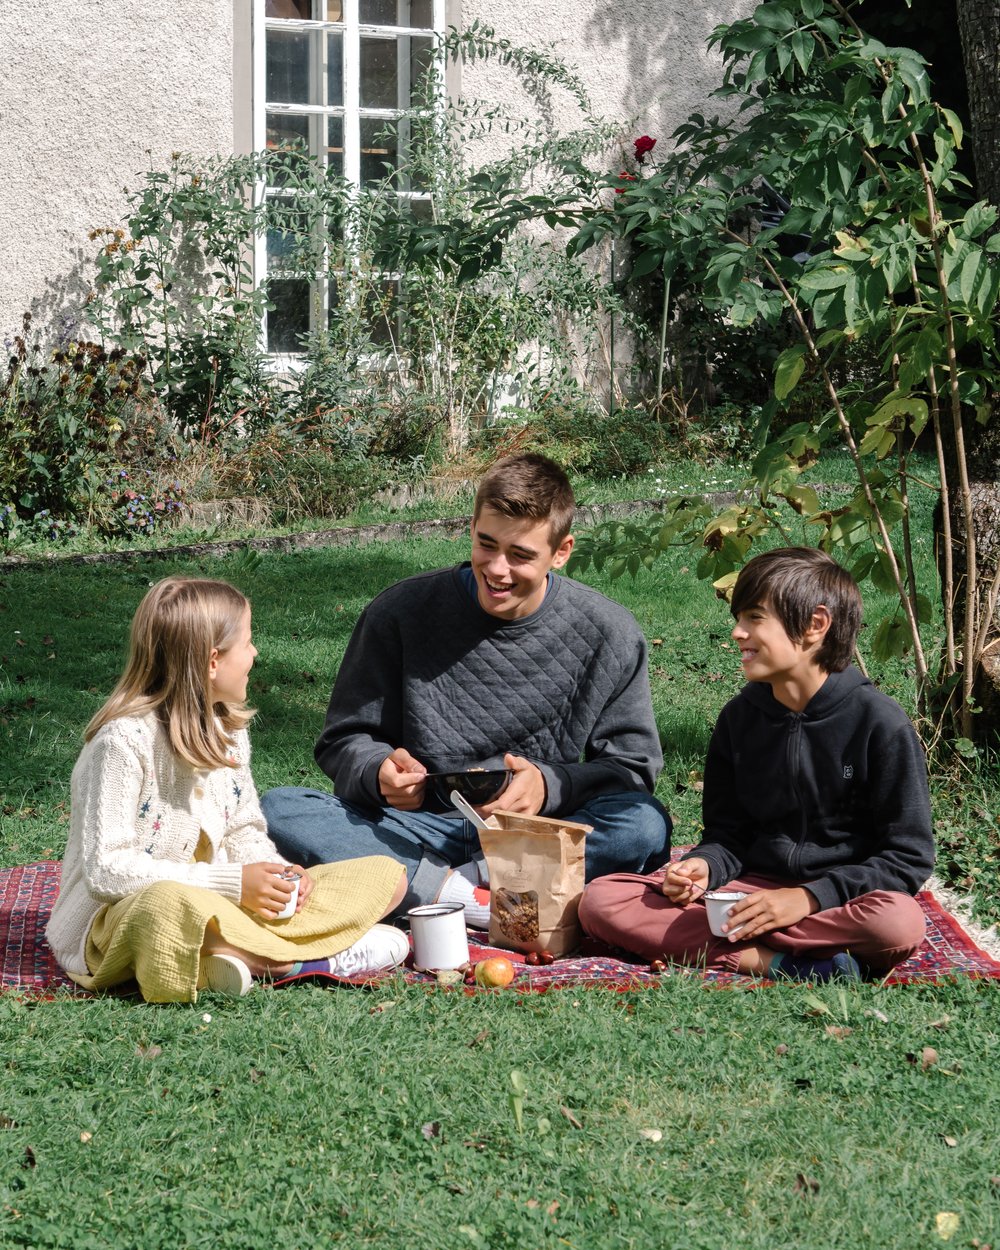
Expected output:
(769, 909)
(401, 780)
(686, 881)
(526, 792)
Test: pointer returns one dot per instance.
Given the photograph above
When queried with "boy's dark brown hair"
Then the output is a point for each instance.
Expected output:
(529, 486)
(793, 582)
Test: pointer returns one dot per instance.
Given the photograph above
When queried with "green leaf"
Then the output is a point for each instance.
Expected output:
(980, 217)
(954, 125)
(646, 263)
(788, 369)
(975, 271)
(773, 17)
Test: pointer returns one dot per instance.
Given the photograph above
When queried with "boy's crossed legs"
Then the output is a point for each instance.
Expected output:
(879, 929)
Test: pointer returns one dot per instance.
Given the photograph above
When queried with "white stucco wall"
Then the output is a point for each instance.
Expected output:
(92, 92)
(643, 62)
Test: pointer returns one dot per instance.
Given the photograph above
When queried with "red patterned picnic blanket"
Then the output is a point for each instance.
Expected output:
(28, 891)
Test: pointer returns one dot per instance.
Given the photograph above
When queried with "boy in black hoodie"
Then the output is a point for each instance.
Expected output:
(815, 803)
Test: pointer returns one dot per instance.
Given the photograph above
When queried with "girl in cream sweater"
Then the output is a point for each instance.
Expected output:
(169, 876)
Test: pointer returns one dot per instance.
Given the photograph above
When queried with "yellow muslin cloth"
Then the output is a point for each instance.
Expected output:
(156, 934)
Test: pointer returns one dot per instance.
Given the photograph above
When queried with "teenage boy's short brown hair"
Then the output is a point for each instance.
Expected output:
(792, 582)
(529, 486)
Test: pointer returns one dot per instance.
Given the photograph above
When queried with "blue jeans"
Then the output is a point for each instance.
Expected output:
(631, 833)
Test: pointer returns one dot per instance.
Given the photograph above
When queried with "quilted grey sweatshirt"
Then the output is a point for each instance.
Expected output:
(427, 669)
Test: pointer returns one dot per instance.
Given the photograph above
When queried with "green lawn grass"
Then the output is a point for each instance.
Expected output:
(789, 1117)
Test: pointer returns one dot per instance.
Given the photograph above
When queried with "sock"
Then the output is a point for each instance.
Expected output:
(459, 887)
(315, 966)
(839, 967)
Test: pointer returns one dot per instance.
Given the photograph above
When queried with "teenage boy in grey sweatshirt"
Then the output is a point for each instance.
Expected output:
(500, 663)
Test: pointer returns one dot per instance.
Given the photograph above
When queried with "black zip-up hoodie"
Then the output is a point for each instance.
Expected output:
(834, 797)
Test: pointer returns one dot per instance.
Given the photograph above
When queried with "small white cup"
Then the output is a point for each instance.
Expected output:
(718, 904)
(440, 940)
(288, 910)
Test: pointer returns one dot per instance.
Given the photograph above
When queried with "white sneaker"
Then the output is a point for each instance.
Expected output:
(382, 947)
(225, 974)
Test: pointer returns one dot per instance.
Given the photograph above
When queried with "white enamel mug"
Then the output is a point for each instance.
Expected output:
(440, 941)
(718, 904)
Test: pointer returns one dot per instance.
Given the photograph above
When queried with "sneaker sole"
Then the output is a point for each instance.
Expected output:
(226, 975)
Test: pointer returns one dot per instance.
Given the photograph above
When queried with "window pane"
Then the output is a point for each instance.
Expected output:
(335, 145)
(382, 308)
(379, 58)
(299, 9)
(305, 67)
(378, 149)
(288, 321)
(305, 10)
(397, 12)
(287, 130)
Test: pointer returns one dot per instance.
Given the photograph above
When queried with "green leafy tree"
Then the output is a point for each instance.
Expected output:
(901, 259)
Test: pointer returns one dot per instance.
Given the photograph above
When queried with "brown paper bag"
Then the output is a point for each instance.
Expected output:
(536, 878)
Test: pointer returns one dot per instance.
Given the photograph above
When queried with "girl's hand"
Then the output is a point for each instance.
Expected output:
(686, 881)
(769, 909)
(305, 885)
(264, 892)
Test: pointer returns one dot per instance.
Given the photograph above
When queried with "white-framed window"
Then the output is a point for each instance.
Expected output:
(335, 76)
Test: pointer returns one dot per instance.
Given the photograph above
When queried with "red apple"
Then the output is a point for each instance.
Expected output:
(495, 972)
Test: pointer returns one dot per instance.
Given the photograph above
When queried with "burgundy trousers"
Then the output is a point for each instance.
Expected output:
(629, 910)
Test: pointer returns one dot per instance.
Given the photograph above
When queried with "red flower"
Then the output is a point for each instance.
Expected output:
(643, 145)
(624, 176)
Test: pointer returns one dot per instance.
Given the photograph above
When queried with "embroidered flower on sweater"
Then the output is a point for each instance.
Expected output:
(236, 790)
(144, 809)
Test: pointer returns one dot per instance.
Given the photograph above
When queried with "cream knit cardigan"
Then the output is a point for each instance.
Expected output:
(136, 815)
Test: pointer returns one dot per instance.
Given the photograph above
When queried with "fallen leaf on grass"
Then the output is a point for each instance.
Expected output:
(781, 1049)
(874, 1014)
(480, 1037)
(942, 1023)
(29, 1160)
(949, 1141)
(927, 1058)
(431, 1129)
(571, 1117)
(449, 976)
(149, 1052)
(651, 1134)
(838, 1030)
(946, 1223)
(86, 1137)
(805, 1184)
(380, 1007)
(7, 1122)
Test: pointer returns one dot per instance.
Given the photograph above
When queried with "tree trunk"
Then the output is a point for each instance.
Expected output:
(979, 28)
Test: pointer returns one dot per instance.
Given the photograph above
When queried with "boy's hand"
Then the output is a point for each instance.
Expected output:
(686, 881)
(526, 792)
(765, 910)
(401, 780)
(264, 892)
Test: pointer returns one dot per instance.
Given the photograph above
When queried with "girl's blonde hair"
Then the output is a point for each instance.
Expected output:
(174, 631)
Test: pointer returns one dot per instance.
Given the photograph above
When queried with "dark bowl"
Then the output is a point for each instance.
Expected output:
(476, 785)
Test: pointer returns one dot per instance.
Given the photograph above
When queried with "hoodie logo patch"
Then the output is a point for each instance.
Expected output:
(848, 771)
